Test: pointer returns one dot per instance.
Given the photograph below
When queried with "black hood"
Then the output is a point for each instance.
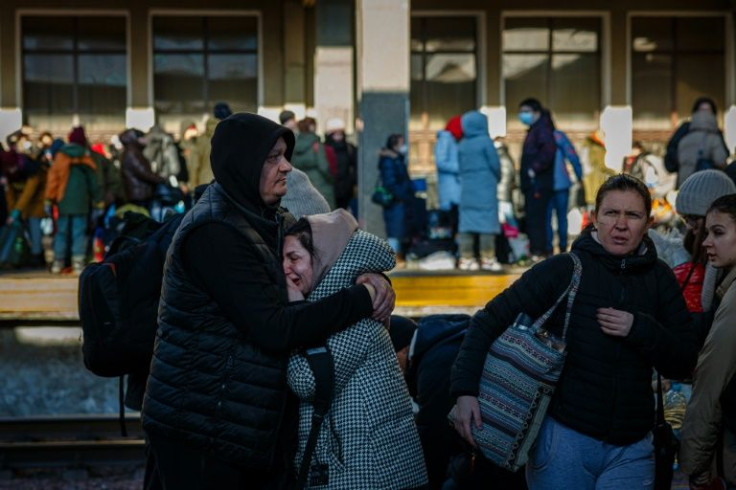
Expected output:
(645, 256)
(240, 146)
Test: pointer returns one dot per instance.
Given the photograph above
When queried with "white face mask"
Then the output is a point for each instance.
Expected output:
(403, 149)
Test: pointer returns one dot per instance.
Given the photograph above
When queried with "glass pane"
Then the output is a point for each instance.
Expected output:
(575, 87)
(416, 34)
(450, 33)
(525, 75)
(416, 102)
(102, 84)
(239, 33)
(522, 34)
(417, 69)
(48, 82)
(232, 66)
(445, 100)
(48, 33)
(576, 34)
(234, 79)
(652, 34)
(178, 33)
(651, 90)
(101, 33)
(699, 75)
(450, 68)
(179, 83)
(700, 33)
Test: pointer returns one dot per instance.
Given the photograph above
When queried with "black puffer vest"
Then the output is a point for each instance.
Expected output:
(209, 386)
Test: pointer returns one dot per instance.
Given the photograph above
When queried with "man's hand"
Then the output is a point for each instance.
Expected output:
(615, 322)
(467, 412)
(294, 292)
(385, 297)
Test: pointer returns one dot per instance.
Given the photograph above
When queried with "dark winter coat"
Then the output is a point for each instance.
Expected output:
(218, 375)
(109, 179)
(438, 340)
(347, 169)
(395, 177)
(139, 181)
(310, 158)
(538, 155)
(72, 182)
(605, 390)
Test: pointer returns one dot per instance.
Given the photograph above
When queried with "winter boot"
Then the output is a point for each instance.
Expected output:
(57, 266)
(78, 263)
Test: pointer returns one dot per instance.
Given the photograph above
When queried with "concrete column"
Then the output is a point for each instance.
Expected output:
(383, 90)
(333, 62)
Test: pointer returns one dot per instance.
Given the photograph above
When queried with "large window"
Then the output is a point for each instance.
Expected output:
(443, 69)
(199, 61)
(74, 66)
(558, 61)
(674, 60)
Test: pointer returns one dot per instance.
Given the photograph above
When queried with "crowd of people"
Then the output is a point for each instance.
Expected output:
(231, 399)
(69, 188)
(489, 199)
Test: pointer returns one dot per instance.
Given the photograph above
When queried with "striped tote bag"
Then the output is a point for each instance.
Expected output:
(519, 377)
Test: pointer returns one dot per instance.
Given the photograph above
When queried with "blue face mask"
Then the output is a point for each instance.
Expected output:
(526, 118)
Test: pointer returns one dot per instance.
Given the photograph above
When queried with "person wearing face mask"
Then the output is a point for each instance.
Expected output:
(709, 430)
(627, 318)
(217, 410)
(368, 439)
(537, 172)
(395, 177)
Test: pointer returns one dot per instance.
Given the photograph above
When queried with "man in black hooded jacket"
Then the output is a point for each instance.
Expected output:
(217, 411)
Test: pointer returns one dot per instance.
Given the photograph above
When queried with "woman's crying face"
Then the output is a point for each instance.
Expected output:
(298, 264)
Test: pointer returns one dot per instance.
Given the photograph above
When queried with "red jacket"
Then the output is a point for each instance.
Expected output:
(694, 288)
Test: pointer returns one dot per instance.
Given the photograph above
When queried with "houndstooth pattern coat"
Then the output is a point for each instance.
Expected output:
(368, 438)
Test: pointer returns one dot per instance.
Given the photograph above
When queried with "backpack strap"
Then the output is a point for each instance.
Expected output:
(322, 365)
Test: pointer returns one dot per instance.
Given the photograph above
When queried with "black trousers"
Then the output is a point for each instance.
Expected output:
(183, 467)
(536, 203)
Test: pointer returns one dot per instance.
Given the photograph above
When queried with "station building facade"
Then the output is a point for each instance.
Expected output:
(629, 68)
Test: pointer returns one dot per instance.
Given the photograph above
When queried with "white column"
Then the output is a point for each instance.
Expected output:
(617, 124)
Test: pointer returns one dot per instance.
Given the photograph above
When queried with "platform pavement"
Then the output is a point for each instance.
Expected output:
(37, 296)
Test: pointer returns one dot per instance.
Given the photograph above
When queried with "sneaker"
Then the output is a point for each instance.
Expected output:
(57, 266)
(468, 265)
(77, 265)
(490, 265)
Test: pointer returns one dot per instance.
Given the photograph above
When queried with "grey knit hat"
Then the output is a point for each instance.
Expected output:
(302, 198)
(699, 191)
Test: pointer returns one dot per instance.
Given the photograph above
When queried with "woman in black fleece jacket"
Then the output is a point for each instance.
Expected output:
(628, 317)
(216, 410)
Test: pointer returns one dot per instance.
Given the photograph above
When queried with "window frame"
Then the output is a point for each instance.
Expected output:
(602, 52)
(729, 91)
(21, 51)
(205, 14)
(479, 50)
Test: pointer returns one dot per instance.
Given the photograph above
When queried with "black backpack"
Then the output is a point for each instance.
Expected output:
(118, 298)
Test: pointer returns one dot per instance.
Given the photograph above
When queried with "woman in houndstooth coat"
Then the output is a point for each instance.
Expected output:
(368, 439)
